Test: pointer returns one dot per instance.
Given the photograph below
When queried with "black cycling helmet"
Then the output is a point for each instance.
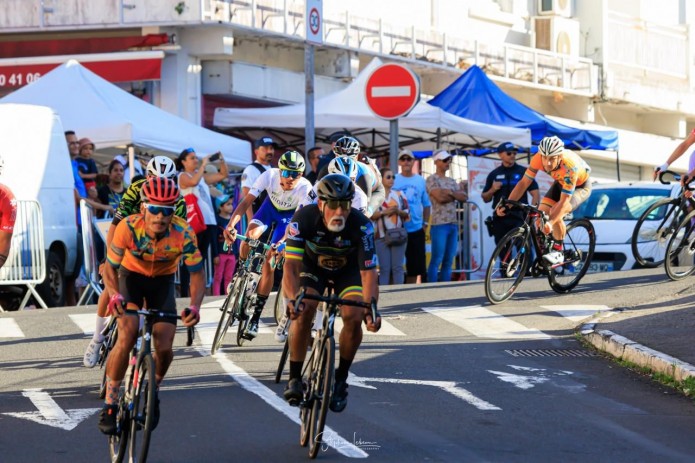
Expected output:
(346, 146)
(335, 187)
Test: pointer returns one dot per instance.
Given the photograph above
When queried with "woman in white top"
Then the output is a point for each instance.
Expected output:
(391, 214)
(194, 180)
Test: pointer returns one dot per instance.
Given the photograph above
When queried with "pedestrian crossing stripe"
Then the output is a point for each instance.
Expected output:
(85, 321)
(387, 329)
(576, 313)
(10, 329)
(485, 323)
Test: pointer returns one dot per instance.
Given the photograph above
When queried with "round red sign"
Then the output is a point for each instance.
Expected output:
(392, 91)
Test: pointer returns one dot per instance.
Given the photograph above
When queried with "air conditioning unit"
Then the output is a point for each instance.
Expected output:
(557, 34)
(555, 8)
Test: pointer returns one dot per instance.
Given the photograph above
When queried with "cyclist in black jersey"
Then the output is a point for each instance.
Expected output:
(329, 241)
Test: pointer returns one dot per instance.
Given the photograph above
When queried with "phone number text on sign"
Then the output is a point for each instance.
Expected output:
(17, 79)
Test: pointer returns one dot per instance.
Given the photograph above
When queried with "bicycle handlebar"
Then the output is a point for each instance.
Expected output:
(676, 177)
(337, 301)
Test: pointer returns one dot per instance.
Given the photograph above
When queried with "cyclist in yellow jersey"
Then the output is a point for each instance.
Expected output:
(572, 187)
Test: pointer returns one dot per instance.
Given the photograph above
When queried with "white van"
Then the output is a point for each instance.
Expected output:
(37, 167)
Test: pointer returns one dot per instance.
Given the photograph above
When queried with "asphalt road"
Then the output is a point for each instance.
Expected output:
(449, 378)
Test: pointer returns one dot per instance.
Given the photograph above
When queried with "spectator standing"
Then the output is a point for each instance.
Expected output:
(315, 155)
(413, 188)
(194, 180)
(264, 150)
(85, 164)
(500, 183)
(393, 213)
(444, 230)
(225, 262)
(138, 171)
(111, 193)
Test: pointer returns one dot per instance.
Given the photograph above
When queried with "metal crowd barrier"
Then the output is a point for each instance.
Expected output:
(468, 259)
(26, 262)
(91, 263)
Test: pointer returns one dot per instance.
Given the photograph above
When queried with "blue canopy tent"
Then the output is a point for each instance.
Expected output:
(474, 96)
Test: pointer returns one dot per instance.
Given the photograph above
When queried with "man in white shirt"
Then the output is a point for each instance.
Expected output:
(264, 150)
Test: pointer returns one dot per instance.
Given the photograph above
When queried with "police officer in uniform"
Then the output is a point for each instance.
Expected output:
(500, 183)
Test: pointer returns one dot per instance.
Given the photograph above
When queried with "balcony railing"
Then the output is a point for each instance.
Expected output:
(286, 17)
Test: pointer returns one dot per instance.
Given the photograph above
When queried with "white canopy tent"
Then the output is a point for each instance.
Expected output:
(347, 109)
(110, 116)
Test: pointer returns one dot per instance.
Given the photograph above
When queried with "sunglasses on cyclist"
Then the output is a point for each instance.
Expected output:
(290, 174)
(154, 209)
(335, 204)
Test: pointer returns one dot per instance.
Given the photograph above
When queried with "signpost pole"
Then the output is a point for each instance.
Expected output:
(309, 133)
(393, 145)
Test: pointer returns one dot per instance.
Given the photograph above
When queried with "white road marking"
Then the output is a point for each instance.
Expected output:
(86, 322)
(485, 323)
(214, 307)
(10, 329)
(50, 413)
(206, 333)
(528, 381)
(448, 386)
(387, 329)
(380, 92)
(577, 312)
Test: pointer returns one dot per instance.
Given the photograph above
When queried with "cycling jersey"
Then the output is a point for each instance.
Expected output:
(133, 249)
(8, 209)
(571, 172)
(309, 240)
(130, 203)
(282, 200)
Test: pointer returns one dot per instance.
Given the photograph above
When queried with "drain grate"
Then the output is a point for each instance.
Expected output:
(549, 353)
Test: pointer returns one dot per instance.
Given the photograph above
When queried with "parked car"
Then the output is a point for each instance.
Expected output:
(614, 209)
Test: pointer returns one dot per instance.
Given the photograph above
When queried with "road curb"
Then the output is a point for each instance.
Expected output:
(623, 348)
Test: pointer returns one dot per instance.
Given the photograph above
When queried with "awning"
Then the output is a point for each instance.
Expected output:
(114, 67)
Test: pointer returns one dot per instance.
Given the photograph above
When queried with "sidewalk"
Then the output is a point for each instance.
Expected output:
(658, 337)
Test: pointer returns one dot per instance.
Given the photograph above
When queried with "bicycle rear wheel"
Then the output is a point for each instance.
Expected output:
(507, 266)
(279, 311)
(227, 316)
(283, 360)
(680, 252)
(144, 398)
(322, 396)
(118, 443)
(109, 342)
(243, 318)
(578, 249)
(653, 231)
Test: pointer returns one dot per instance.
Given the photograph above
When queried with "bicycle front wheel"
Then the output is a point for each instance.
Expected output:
(578, 250)
(283, 360)
(279, 311)
(109, 342)
(143, 419)
(653, 231)
(322, 397)
(680, 252)
(227, 316)
(507, 266)
(118, 443)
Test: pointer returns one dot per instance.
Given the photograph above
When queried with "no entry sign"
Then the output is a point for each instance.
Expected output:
(392, 91)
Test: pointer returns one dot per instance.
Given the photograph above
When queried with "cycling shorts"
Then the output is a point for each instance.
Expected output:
(267, 215)
(158, 291)
(581, 194)
(347, 282)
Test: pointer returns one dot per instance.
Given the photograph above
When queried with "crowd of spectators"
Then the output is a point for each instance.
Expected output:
(425, 209)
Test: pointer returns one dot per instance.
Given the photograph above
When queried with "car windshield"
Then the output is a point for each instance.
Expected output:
(619, 203)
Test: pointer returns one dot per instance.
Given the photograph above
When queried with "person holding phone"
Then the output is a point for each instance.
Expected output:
(194, 180)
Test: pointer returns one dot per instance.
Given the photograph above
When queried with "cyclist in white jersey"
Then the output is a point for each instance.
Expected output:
(286, 187)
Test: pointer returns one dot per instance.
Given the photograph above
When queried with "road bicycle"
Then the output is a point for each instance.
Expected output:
(680, 251)
(512, 256)
(237, 306)
(277, 263)
(138, 395)
(657, 224)
(110, 333)
(319, 369)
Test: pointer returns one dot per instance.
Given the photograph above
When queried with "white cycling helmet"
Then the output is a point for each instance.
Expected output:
(161, 166)
(343, 165)
(551, 146)
(347, 146)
